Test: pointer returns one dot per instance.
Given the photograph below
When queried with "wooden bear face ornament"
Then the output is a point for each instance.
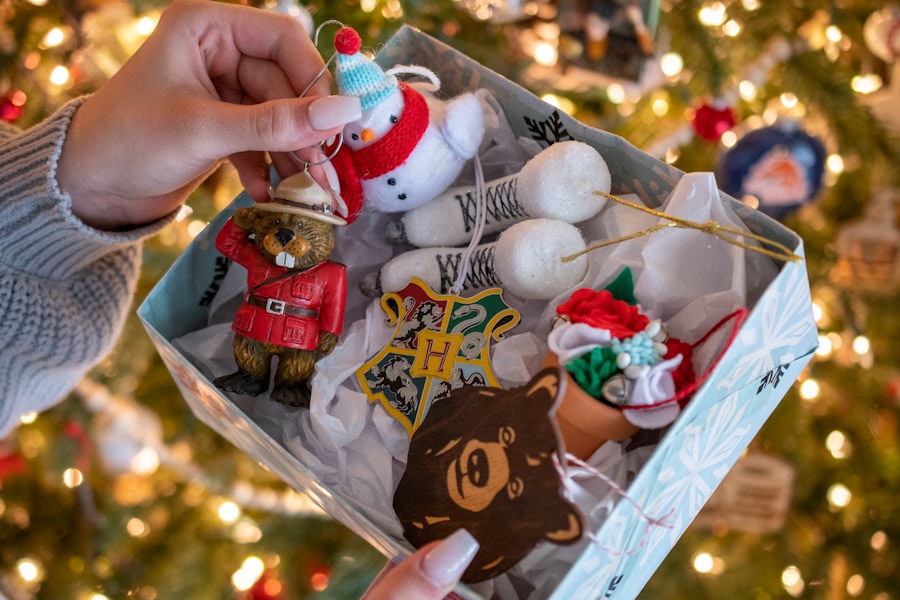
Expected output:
(482, 459)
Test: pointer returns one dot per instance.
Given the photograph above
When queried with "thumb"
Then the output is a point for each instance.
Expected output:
(281, 125)
(430, 573)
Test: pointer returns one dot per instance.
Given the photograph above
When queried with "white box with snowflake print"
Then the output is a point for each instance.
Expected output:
(774, 342)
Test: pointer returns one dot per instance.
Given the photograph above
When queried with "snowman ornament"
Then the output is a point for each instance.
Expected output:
(407, 147)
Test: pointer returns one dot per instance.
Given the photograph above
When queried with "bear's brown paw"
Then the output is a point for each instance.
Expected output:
(241, 382)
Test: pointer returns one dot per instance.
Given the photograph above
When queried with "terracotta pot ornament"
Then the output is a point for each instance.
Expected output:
(584, 422)
(624, 369)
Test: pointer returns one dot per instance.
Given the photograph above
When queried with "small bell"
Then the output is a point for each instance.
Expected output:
(617, 390)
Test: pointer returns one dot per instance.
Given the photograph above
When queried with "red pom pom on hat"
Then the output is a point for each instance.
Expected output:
(346, 41)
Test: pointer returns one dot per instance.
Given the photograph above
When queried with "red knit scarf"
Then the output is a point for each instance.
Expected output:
(385, 154)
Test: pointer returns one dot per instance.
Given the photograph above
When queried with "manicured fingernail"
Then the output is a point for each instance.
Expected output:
(445, 564)
(334, 111)
(332, 177)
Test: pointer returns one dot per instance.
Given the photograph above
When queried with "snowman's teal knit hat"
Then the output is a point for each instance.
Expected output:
(357, 75)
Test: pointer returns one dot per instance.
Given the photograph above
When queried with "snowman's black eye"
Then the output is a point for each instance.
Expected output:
(401, 197)
(354, 136)
(392, 181)
(394, 119)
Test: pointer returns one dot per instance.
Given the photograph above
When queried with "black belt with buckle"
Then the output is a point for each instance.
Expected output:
(279, 307)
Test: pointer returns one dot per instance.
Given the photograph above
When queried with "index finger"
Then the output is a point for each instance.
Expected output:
(258, 34)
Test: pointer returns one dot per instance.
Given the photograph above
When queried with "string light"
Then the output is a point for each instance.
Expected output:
(72, 478)
(29, 417)
(861, 345)
(660, 107)
(53, 38)
(789, 99)
(879, 540)
(392, 10)
(825, 348)
(728, 139)
(545, 54)
(833, 34)
(671, 64)
(839, 496)
(319, 581)
(229, 512)
(59, 75)
(30, 569)
(251, 570)
(145, 462)
(856, 584)
(145, 26)
(368, 5)
(732, 28)
(616, 93)
(835, 163)
(866, 84)
(195, 227)
(136, 527)
(838, 444)
(703, 563)
(747, 90)
(809, 389)
(246, 532)
(792, 581)
(560, 102)
(713, 15)
(817, 311)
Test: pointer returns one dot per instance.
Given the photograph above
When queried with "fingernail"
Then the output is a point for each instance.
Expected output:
(334, 111)
(445, 564)
(331, 176)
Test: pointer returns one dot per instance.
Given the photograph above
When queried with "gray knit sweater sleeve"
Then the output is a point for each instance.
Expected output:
(65, 287)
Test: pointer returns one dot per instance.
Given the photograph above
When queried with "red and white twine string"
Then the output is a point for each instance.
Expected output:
(650, 521)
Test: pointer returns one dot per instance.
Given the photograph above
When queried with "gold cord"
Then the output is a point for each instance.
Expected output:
(780, 252)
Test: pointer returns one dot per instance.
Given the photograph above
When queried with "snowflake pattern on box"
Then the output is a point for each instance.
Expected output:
(699, 456)
(785, 320)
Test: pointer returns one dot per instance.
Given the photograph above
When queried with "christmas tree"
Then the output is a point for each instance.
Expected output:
(121, 492)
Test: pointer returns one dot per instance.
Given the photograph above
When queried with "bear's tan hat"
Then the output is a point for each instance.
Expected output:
(300, 195)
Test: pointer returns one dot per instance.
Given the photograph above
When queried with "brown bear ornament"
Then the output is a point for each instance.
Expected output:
(294, 304)
(482, 459)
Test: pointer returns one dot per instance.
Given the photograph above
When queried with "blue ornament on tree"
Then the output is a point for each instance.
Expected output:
(781, 166)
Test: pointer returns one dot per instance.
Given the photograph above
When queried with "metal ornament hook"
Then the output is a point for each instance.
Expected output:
(307, 164)
(327, 62)
(340, 141)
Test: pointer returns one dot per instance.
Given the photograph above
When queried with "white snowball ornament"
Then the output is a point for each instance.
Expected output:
(526, 260)
(405, 149)
(558, 183)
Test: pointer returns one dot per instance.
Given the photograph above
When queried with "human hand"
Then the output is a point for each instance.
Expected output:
(428, 574)
(213, 80)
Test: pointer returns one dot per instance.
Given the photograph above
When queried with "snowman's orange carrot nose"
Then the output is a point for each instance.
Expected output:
(367, 135)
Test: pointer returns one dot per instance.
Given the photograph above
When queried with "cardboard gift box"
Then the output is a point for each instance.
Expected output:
(774, 342)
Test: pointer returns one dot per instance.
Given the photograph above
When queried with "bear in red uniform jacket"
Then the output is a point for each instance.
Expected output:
(294, 304)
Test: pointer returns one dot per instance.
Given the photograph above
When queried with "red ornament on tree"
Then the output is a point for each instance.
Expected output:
(711, 122)
(267, 587)
(12, 105)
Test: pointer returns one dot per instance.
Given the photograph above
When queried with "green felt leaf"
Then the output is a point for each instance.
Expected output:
(622, 287)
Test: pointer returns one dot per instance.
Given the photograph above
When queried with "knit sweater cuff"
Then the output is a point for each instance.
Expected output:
(38, 232)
